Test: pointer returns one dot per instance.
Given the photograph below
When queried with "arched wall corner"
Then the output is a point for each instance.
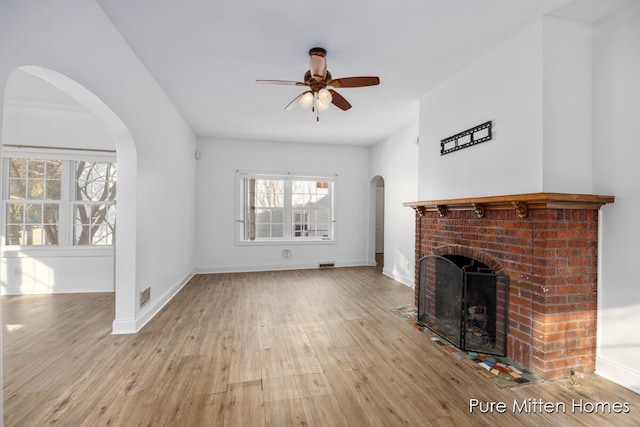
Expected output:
(125, 253)
(373, 200)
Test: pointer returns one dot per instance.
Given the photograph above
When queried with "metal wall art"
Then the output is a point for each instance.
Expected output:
(467, 138)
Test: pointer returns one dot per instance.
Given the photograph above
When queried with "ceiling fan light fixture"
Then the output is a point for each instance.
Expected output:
(324, 96)
(306, 100)
(321, 85)
(322, 106)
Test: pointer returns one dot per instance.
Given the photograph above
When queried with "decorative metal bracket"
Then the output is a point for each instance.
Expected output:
(479, 210)
(420, 210)
(521, 209)
(467, 138)
(442, 209)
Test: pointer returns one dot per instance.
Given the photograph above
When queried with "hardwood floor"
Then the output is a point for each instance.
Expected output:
(312, 347)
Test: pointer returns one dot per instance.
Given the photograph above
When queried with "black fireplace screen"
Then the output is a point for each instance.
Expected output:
(464, 302)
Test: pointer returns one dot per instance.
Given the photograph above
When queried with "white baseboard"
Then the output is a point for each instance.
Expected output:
(123, 326)
(131, 326)
(274, 267)
(619, 374)
(405, 280)
(58, 288)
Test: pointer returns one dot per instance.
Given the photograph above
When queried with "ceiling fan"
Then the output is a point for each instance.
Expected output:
(321, 85)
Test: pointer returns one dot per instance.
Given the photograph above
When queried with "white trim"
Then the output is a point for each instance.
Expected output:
(132, 326)
(405, 280)
(123, 326)
(617, 373)
(275, 267)
(60, 288)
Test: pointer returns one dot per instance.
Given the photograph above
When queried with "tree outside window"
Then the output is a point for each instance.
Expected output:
(44, 197)
(94, 208)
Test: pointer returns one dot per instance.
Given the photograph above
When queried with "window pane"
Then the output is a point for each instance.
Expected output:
(269, 193)
(17, 188)
(53, 169)
(34, 214)
(53, 190)
(263, 230)
(94, 224)
(17, 168)
(50, 234)
(277, 230)
(35, 168)
(35, 189)
(15, 213)
(103, 235)
(14, 234)
(96, 181)
(50, 214)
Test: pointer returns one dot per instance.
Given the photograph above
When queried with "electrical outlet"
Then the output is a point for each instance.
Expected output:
(145, 296)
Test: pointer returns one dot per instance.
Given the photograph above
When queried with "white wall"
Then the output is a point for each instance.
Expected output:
(505, 86)
(396, 160)
(77, 40)
(536, 89)
(216, 250)
(566, 106)
(616, 96)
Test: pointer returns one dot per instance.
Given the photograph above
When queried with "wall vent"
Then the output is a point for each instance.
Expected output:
(145, 296)
(327, 264)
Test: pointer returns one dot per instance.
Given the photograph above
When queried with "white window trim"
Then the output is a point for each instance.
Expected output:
(65, 247)
(241, 175)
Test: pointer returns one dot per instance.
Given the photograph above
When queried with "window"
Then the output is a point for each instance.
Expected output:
(51, 202)
(94, 212)
(285, 208)
(33, 208)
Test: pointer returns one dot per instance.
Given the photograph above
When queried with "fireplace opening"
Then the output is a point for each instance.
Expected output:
(465, 302)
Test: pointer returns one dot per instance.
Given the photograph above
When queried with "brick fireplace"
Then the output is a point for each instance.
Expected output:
(547, 243)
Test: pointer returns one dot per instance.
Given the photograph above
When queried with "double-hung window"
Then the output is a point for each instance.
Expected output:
(58, 202)
(33, 207)
(285, 207)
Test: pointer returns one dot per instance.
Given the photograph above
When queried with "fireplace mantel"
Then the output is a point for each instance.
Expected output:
(522, 203)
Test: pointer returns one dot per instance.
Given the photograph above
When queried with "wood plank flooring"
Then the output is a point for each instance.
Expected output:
(311, 347)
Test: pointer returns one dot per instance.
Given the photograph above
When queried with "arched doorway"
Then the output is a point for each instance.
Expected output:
(65, 95)
(377, 222)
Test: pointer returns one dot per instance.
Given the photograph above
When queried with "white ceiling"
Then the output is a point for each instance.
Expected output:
(207, 55)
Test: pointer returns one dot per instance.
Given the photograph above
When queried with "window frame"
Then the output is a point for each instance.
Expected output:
(241, 212)
(66, 220)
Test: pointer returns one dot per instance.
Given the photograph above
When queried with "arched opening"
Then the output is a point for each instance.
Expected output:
(47, 112)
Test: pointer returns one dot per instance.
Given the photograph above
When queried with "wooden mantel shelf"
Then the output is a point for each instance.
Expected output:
(522, 203)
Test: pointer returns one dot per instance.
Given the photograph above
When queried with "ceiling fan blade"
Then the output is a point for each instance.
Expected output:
(354, 82)
(339, 101)
(281, 82)
(294, 101)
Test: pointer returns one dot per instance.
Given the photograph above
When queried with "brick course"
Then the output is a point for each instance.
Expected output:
(551, 259)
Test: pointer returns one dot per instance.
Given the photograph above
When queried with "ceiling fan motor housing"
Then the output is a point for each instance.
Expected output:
(318, 64)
